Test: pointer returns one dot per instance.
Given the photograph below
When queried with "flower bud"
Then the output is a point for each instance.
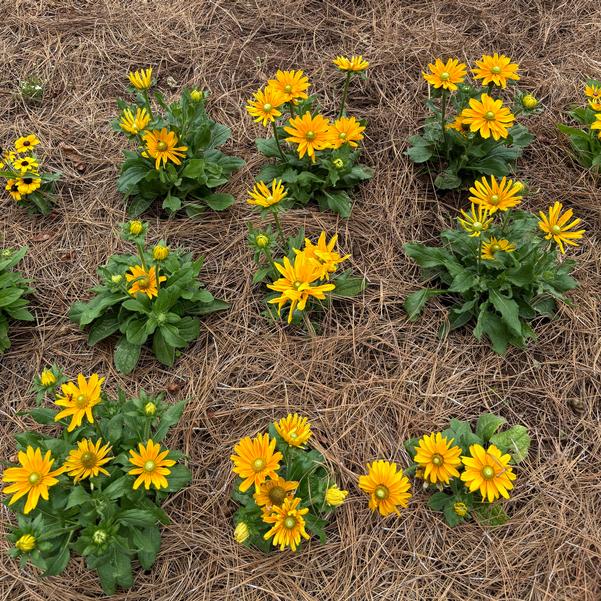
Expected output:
(262, 240)
(338, 163)
(116, 279)
(26, 543)
(335, 496)
(47, 378)
(529, 102)
(99, 537)
(196, 95)
(460, 509)
(241, 533)
(150, 409)
(160, 252)
(136, 227)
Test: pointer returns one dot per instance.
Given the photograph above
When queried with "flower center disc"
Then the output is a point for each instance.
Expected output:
(494, 199)
(310, 135)
(267, 107)
(477, 226)
(444, 75)
(161, 146)
(381, 492)
(288, 89)
(258, 464)
(437, 460)
(34, 478)
(496, 69)
(88, 460)
(81, 401)
(488, 472)
(277, 495)
(556, 229)
(489, 115)
(289, 523)
(149, 466)
(495, 248)
(144, 282)
(342, 135)
(297, 285)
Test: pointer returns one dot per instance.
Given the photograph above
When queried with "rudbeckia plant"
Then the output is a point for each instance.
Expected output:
(500, 268)
(283, 488)
(14, 290)
(466, 472)
(27, 183)
(585, 138)
(95, 487)
(176, 160)
(151, 298)
(314, 155)
(471, 129)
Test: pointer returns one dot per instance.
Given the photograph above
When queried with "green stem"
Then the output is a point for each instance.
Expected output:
(309, 325)
(278, 225)
(479, 257)
(505, 222)
(443, 123)
(349, 74)
(277, 140)
(141, 255)
(148, 107)
(291, 107)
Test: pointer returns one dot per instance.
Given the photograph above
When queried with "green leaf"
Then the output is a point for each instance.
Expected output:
(137, 517)
(43, 415)
(148, 544)
(420, 153)
(126, 355)
(267, 147)
(119, 487)
(509, 310)
(348, 286)
(179, 477)
(171, 417)
(219, 201)
(136, 332)
(487, 425)
(59, 560)
(164, 352)
(515, 441)
(77, 496)
(447, 181)
(438, 501)
(194, 168)
(102, 328)
(131, 173)
(426, 256)
(490, 515)
(338, 202)
(416, 301)
(172, 203)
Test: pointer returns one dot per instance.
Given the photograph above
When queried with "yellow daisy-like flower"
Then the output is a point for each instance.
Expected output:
(492, 246)
(79, 400)
(33, 478)
(346, 130)
(255, 460)
(446, 75)
(241, 533)
(496, 196)
(438, 458)
(292, 85)
(262, 196)
(310, 133)
(488, 117)
(26, 543)
(87, 460)
(488, 471)
(386, 486)
(593, 91)
(274, 492)
(162, 146)
(141, 79)
(556, 226)
(595, 105)
(323, 252)
(134, 124)
(264, 105)
(475, 222)
(296, 284)
(496, 69)
(151, 465)
(12, 187)
(597, 123)
(25, 164)
(295, 430)
(28, 184)
(355, 64)
(458, 124)
(335, 497)
(288, 524)
(26, 143)
(144, 281)
(47, 378)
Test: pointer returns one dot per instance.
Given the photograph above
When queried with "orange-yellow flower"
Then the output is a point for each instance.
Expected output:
(488, 117)
(346, 130)
(288, 524)
(496, 196)
(274, 492)
(492, 246)
(353, 64)
(310, 133)
(294, 429)
(255, 460)
(292, 85)
(87, 460)
(488, 471)
(134, 124)
(79, 400)
(438, 457)
(556, 226)
(446, 75)
(144, 281)
(162, 146)
(141, 79)
(262, 196)
(323, 252)
(265, 104)
(151, 465)
(496, 69)
(386, 486)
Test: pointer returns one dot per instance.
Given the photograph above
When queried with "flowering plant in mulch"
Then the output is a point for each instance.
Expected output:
(471, 128)
(176, 160)
(282, 487)
(468, 471)
(586, 137)
(14, 289)
(303, 275)
(500, 268)
(94, 488)
(316, 158)
(26, 181)
(153, 296)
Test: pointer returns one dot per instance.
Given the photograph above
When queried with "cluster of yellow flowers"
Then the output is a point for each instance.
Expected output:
(593, 93)
(23, 167)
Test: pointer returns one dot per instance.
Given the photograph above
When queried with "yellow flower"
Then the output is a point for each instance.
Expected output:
(593, 91)
(196, 95)
(296, 284)
(241, 533)
(460, 509)
(47, 378)
(28, 184)
(488, 116)
(310, 133)
(274, 492)
(262, 196)
(33, 478)
(354, 64)
(87, 460)
(597, 123)
(386, 486)
(492, 246)
(292, 85)
(141, 79)
(136, 227)
(79, 400)
(475, 222)
(324, 254)
(446, 75)
(264, 105)
(255, 460)
(26, 143)
(346, 130)
(25, 164)
(288, 524)
(134, 124)
(529, 102)
(160, 252)
(144, 281)
(295, 430)
(150, 409)
(595, 105)
(556, 226)
(496, 196)
(488, 471)
(496, 69)
(26, 543)
(335, 497)
(438, 457)
(162, 146)
(151, 465)
(13, 189)
(458, 125)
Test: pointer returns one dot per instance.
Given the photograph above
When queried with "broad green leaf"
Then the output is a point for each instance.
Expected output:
(488, 424)
(219, 201)
(126, 355)
(508, 309)
(515, 441)
(416, 301)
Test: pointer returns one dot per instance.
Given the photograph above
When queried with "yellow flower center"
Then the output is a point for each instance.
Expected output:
(269, 199)
(495, 248)
(381, 492)
(445, 75)
(310, 135)
(342, 135)
(477, 226)
(287, 88)
(162, 146)
(144, 282)
(297, 285)
(489, 115)
(267, 107)
(494, 199)
(277, 495)
(488, 472)
(258, 465)
(81, 401)
(289, 523)
(34, 478)
(88, 459)
(293, 435)
(556, 229)
(496, 69)
(149, 465)
(437, 460)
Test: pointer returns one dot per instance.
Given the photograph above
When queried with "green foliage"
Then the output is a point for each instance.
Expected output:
(500, 297)
(102, 518)
(13, 292)
(167, 322)
(191, 185)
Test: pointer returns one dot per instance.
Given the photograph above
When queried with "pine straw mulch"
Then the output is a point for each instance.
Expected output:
(372, 379)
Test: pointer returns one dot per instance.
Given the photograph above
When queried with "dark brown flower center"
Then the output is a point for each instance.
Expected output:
(277, 495)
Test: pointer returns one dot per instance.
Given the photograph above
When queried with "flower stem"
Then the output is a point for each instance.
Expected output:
(147, 100)
(443, 114)
(291, 107)
(309, 325)
(479, 257)
(141, 255)
(345, 93)
(277, 140)
(278, 225)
